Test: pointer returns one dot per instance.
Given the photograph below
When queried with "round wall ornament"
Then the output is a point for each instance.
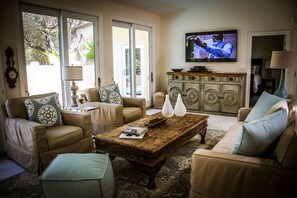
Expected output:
(11, 73)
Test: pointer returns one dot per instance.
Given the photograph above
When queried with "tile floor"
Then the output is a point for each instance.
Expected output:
(9, 168)
(216, 122)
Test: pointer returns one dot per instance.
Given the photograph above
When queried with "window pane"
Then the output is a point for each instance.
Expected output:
(142, 63)
(81, 50)
(42, 53)
(121, 59)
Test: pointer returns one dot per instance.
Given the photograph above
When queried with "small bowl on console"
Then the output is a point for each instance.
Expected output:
(177, 70)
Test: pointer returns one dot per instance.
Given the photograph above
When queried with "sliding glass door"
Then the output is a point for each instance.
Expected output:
(55, 38)
(79, 42)
(132, 59)
(42, 50)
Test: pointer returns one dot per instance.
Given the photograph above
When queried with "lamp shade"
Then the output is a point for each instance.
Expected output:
(283, 59)
(72, 73)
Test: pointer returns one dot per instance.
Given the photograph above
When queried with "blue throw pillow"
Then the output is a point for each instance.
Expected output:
(259, 137)
(264, 103)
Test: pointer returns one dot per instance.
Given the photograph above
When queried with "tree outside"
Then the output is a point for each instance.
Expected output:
(42, 42)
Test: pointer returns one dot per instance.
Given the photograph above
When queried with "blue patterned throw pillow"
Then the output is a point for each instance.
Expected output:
(44, 110)
(110, 94)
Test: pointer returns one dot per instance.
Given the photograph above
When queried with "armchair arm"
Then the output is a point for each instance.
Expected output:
(215, 174)
(135, 102)
(107, 116)
(79, 119)
(25, 134)
(243, 113)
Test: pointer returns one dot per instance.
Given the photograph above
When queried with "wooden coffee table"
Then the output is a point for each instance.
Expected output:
(150, 153)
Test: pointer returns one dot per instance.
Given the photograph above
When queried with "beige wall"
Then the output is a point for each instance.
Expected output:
(245, 16)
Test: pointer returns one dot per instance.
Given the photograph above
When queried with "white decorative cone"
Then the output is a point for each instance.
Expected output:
(180, 108)
(167, 109)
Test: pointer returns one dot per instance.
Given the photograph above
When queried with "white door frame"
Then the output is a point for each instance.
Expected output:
(134, 27)
(249, 56)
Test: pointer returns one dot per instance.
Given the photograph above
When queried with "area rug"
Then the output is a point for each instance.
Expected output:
(173, 180)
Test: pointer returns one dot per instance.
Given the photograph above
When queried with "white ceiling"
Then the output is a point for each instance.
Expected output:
(158, 6)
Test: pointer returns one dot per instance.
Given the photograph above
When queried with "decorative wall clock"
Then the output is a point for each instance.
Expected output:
(11, 73)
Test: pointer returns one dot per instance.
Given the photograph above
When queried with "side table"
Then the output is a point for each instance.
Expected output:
(81, 109)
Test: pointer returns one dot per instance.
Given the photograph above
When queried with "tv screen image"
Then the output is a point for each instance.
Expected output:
(215, 46)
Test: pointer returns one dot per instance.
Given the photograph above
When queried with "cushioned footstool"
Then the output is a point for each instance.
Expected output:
(78, 175)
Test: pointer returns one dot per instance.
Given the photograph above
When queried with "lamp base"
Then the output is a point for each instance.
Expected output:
(74, 88)
(281, 91)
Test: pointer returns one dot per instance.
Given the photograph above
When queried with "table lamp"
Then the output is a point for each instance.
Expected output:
(282, 60)
(72, 73)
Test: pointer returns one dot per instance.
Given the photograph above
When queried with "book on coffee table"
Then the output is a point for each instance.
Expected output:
(131, 136)
(133, 132)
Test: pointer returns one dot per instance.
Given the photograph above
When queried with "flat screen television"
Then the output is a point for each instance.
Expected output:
(214, 46)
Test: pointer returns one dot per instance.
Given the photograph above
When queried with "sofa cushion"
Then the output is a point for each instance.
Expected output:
(226, 143)
(64, 135)
(44, 110)
(110, 94)
(264, 103)
(131, 114)
(92, 95)
(282, 104)
(286, 149)
(258, 138)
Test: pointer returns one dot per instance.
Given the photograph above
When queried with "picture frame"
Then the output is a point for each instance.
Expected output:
(81, 102)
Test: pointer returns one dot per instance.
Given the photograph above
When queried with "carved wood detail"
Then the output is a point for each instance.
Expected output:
(150, 153)
(218, 93)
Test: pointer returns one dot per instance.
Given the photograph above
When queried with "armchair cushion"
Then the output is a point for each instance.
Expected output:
(110, 94)
(131, 114)
(92, 94)
(62, 136)
(44, 110)
(258, 138)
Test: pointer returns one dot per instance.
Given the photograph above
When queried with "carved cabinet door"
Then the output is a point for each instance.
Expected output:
(230, 101)
(211, 97)
(174, 88)
(221, 98)
(191, 96)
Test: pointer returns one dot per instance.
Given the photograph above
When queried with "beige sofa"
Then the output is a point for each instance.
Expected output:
(217, 174)
(34, 146)
(109, 116)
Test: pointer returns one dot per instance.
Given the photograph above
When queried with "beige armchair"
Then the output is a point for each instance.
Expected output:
(109, 116)
(34, 146)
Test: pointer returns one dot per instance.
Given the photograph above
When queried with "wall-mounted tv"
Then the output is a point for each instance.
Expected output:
(215, 46)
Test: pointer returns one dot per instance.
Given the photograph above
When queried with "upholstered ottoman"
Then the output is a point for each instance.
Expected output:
(78, 175)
